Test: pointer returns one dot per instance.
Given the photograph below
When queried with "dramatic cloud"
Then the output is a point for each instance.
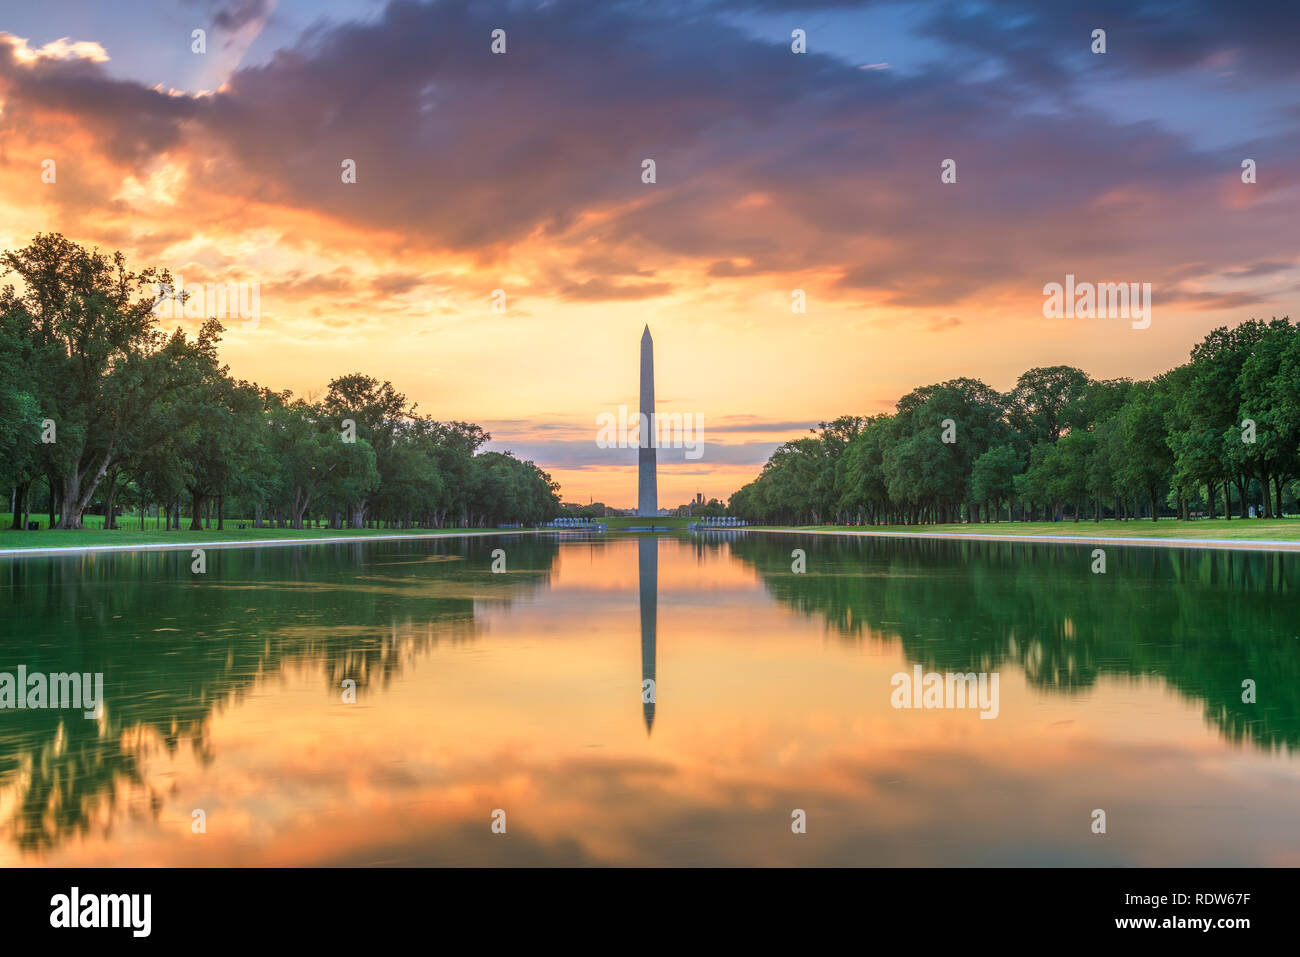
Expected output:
(767, 162)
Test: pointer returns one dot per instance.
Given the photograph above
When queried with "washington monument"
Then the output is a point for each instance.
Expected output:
(647, 486)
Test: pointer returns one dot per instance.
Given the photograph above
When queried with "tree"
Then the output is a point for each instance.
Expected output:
(97, 346)
(924, 470)
(860, 476)
(1206, 409)
(993, 477)
(304, 452)
(1268, 383)
(1038, 485)
(377, 411)
(1071, 457)
(20, 419)
(1046, 402)
(1145, 463)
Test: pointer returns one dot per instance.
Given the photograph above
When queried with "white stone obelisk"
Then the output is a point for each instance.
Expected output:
(647, 486)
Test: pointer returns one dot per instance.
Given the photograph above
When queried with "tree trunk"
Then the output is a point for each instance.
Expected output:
(53, 485)
(300, 504)
(110, 493)
(196, 523)
(79, 488)
(20, 504)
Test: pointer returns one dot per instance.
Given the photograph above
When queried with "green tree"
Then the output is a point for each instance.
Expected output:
(1046, 402)
(377, 410)
(993, 478)
(96, 345)
(1145, 461)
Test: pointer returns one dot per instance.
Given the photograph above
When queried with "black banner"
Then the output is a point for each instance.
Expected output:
(135, 906)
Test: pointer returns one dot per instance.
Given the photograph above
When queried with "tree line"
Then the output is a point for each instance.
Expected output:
(100, 408)
(1222, 429)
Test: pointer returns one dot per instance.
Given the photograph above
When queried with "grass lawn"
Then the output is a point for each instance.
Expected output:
(1249, 529)
(130, 533)
(616, 522)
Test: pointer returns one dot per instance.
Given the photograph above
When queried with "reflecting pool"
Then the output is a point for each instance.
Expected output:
(632, 699)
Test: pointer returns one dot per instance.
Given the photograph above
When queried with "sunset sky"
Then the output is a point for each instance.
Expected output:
(775, 171)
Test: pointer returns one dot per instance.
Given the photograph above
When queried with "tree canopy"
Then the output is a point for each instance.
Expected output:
(1059, 442)
(100, 403)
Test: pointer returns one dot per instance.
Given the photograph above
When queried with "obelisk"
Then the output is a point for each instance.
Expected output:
(647, 486)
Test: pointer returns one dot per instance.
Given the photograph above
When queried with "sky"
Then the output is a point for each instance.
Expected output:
(775, 171)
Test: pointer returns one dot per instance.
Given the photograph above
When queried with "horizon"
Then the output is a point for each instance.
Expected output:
(478, 173)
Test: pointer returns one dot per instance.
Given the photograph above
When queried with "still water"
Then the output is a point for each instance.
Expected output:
(522, 692)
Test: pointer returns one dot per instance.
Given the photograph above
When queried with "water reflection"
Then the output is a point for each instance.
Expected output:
(647, 564)
(177, 648)
(479, 690)
(1201, 620)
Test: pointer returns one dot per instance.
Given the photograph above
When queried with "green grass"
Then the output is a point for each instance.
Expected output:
(130, 533)
(616, 522)
(1250, 529)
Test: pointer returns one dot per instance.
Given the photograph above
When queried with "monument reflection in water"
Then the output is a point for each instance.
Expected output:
(647, 563)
